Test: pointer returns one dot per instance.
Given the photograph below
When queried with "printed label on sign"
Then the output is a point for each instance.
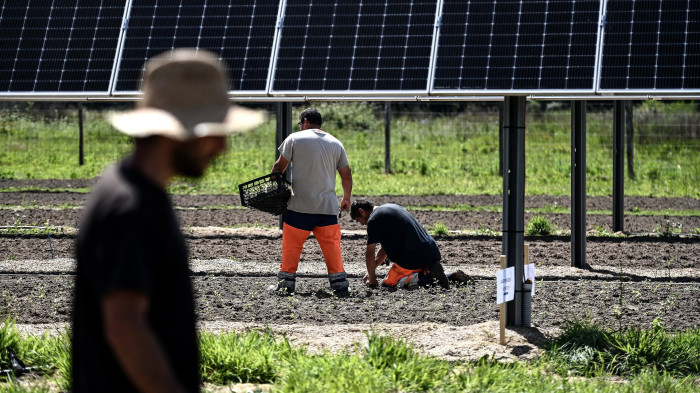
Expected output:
(506, 285)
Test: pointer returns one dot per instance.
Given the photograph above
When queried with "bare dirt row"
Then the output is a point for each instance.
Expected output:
(63, 209)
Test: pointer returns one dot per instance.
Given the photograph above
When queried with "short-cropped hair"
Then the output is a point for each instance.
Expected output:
(312, 115)
(360, 204)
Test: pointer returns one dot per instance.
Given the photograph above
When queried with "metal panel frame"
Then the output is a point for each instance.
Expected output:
(429, 94)
(599, 45)
(275, 45)
(120, 48)
(433, 50)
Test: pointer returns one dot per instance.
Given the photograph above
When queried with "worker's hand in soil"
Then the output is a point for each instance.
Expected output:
(372, 283)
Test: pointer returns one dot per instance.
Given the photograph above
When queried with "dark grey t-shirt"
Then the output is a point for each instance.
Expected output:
(402, 237)
(130, 239)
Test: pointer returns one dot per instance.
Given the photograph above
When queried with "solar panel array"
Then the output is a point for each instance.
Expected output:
(362, 48)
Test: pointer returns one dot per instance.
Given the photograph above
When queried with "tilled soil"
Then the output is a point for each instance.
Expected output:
(631, 280)
(62, 209)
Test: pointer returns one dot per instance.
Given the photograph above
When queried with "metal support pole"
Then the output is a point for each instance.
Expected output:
(578, 184)
(514, 198)
(629, 120)
(500, 138)
(387, 137)
(618, 208)
(284, 128)
(81, 149)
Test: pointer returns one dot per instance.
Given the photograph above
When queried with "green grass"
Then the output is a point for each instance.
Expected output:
(431, 153)
(583, 358)
(251, 357)
(439, 228)
(51, 354)
(588, 349)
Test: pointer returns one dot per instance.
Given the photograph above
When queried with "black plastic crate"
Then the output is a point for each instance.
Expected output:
(269, 193)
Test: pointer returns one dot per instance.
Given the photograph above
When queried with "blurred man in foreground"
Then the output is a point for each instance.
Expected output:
(414, 253)
(133, 317)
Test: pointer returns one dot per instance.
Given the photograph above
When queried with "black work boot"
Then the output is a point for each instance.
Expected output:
(339, 284)
(436, 273)
(286, 284)
(460, 278)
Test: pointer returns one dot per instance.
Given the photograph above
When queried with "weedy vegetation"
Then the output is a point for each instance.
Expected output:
(588, 349)
(538, 226)
(453, 152)
(439, 228)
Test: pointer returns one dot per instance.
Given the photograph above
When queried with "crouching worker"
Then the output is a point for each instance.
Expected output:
(414, 253)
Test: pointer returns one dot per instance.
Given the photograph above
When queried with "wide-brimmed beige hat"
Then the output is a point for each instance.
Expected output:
(185, 96)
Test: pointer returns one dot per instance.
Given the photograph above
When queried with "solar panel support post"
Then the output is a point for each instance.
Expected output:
(629, 134)
(578, 184)
(514, 199)
(284, 128)
(618, 166)
(81, 153)
(387, 137)
(500, 138)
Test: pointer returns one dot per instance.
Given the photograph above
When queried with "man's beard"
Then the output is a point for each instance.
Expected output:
(187, 162)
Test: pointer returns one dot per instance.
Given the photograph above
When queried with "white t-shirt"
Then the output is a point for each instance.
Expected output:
(314, 157)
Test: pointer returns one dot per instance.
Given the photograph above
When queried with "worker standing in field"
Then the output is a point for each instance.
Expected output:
(414, 253)
(315, 156)
(133, 313)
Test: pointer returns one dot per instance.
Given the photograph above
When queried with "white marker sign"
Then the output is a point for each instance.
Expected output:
(529, 274)
(506, 285)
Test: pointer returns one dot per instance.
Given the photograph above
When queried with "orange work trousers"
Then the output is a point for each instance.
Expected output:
(328, 238)
(404, 277)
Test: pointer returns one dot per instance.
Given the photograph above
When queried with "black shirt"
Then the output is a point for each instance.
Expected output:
(129, 239)
(402, 237)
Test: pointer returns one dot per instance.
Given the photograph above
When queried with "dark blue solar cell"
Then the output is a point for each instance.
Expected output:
(240, 32)
(516, 45)
(58, 46)
(651, 45)
(364, 46)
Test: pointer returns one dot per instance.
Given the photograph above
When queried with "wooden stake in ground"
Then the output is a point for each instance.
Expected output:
(503, 310)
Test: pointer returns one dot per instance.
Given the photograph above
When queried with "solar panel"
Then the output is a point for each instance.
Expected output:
(241, 32)
(651, 45)
(58, 46)
(341, 46)
(516, 45)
